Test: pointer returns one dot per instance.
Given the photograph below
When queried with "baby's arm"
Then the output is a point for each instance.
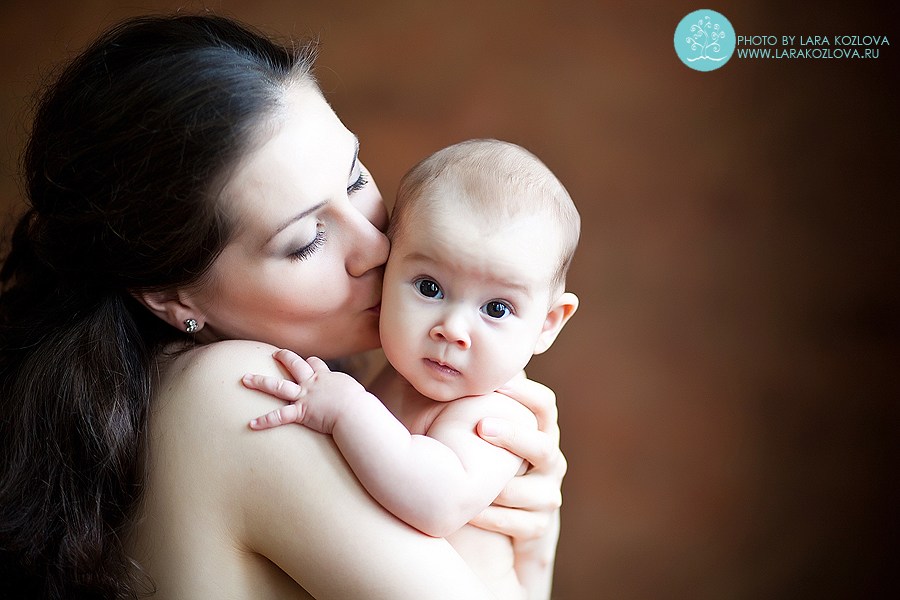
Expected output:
(436, 483)
(326, 396)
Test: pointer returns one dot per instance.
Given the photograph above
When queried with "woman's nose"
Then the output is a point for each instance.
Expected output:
(368, 247)
(452, 329)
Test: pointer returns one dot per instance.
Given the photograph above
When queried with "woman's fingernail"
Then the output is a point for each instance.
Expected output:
(490, 427)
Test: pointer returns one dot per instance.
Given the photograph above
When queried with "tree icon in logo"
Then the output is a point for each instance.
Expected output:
(707, 41)
(704, 40)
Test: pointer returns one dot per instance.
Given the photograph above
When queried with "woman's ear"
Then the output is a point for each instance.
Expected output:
(560, 312)
(173, 307)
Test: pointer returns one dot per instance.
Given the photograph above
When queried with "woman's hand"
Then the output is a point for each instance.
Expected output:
(527, 507)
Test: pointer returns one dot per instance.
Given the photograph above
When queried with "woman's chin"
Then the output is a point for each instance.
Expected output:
(366, 342)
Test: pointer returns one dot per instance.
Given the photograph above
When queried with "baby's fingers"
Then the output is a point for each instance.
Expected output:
(275, 386)
(291, 413)
(299, 369)
(318, 365)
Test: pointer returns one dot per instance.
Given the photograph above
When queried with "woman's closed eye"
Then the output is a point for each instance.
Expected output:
(311, 248)
(318, 241)
(359, 184)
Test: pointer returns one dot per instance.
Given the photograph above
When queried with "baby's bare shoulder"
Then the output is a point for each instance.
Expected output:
(475, 408)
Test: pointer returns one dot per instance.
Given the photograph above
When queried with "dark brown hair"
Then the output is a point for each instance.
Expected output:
(129, 149)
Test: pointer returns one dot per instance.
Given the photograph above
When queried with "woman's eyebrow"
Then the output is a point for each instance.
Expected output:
(355, 155)
(309, 211)
(296, 218)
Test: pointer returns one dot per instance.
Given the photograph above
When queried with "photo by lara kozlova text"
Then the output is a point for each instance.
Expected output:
(810, 46)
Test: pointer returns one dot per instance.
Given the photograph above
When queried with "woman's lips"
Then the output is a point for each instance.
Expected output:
(441, 368)
(375, 309)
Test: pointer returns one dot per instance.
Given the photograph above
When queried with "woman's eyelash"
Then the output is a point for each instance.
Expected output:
(358, 184)
(310, 249)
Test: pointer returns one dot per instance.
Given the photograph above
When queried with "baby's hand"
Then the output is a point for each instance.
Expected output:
(324, 394)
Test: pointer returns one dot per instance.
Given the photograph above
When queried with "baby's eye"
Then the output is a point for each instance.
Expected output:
(429, 288)
(496, 309)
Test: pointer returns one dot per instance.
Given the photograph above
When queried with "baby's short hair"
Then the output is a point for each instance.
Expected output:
(496, 181)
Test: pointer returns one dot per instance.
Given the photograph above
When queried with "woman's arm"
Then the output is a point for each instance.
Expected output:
(289, 496)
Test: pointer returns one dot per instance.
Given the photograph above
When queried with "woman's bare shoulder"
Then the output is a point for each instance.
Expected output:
(201, 416)
(199, 395)
(208, 363)
(214, 483)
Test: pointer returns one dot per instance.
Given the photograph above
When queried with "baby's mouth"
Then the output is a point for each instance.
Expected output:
(441, 368)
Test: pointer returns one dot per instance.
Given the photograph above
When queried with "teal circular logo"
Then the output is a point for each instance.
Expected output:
(704, 40)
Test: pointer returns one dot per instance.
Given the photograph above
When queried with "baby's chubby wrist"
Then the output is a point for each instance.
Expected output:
(336, 395)
(318, 397)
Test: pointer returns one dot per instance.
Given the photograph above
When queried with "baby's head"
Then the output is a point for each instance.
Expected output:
(482, 235)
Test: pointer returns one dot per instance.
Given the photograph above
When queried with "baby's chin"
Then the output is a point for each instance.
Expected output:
(446, 393)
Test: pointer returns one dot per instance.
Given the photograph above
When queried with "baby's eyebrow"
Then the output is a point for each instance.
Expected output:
(418, 256)
(506, 284)
(514, 286)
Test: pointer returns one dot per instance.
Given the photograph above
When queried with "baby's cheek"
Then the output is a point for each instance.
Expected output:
(394, 340)
(389, 327)
(497, 377)
(514, 356)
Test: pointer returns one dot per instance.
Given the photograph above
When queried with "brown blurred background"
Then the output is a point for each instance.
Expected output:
(728, 390)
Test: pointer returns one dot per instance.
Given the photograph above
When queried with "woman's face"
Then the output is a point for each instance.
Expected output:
(304, 269)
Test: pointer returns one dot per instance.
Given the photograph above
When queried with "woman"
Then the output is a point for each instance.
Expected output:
(189, 187)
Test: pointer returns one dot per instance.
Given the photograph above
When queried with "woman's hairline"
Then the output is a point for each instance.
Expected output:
(264, 128)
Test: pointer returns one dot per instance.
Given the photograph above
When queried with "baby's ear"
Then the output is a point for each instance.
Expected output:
(561, 311)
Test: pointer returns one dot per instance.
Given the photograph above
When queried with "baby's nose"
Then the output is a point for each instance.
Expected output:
(452, 329)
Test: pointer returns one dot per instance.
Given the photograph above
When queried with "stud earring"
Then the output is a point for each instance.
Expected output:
(190, 325)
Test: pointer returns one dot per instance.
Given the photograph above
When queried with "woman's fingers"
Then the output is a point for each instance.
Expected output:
(537, 447)
(527, 503)
(533, 491)
(537, 398)
(518, 524)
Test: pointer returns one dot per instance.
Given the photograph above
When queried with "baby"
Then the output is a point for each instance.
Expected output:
(482, 235)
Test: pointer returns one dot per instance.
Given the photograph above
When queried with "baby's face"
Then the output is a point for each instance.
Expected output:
(463, 305)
